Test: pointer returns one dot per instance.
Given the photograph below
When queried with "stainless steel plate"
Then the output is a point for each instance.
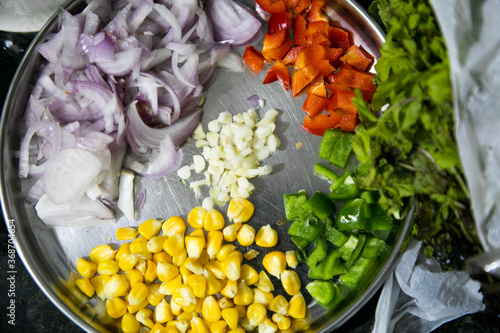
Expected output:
(50, 253)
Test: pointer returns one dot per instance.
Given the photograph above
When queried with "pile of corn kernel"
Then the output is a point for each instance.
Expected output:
(203, 284)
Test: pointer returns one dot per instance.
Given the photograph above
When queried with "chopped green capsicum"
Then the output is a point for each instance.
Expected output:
(318, 254)
(305, 231)
(351, 216)
(320, 205)
(294, 205)
(346, 187)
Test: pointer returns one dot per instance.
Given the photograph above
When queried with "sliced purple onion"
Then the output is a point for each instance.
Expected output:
(254, 100)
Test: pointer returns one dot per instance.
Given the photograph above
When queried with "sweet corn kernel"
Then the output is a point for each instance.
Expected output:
(231, 317)
(279, 304)
(198, 325)
(230, 232)
(86, 268)
(244, 295)
(249, 274)
(230, 289)
(240, 210)
(140, 246)
(98, 282)
(137, 307)
(251, 254)
(225, 303)
(185, 273)
(266, 236)
(264, 282)
(297, 306)
(149, 228)
(213, 285)
(196, 217)
(116, 307)
(123, 251)
(256, 313)
(275, 263)
(128, 263)
(282, 321)
(186, 316)
(210, 309)
(169, 287)
(176, 308)
(237, 330)
(85, 286)
(195, 243)
(231, 266)
(151, 273)
(213, 220)
(138, 293)
(141, 266)
(174, 225)
(180, 325)
(130, 323)
(179, 259)
(291, 282)
(155, 244)
(174, 245)
(224, 251)
(127, 233)
(163, 312)
(116, 286)
(267, 326)
(246, 235)
(154, 296)
(291, 259)
(214, 243)
(198, 284)
(102, 252)
(242, 311)
(184, 296)
(133, 276)
(145, 317)
(261, 297)
(162, 257)
(204, 258)
(215, 268)
(157, 328)
(199, 306)
(219, 326)
(107, 267)
(173, 329)
(193, 265)
(246, 325)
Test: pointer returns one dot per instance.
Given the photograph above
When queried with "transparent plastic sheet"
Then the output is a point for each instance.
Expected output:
(419, 297)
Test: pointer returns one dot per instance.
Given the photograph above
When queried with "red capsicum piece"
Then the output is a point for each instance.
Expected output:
(297, 6)
(303, 60)
(317, 32)
(276, 45)
(318, 87)
(352, 78)
(316, 11)
(339, 38)
(254, 59)
(358, 58)
(293, 54)
(348, 122)
(278, 72)
(302, 78)
(318, 56)
(341, 98)
(319, 124)
(314, 105)
(272, 6)
(279, 21)
(299, 30)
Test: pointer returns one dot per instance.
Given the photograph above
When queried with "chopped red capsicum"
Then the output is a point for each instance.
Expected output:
(348, 122)
(293, 54)
(314, 105)
(319, 124)
(302, 78)
(339, 38)
(352, 78)
(299, 30)
(254, 59)
(318, 56)
(272, 6)
(297, 6)
(279, 21)
(318, 87)
(303, 60)
(278, 72)
(276, 45)
(316, 11)
(358, 58)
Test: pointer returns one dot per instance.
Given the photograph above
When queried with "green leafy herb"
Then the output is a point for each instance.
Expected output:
(411, 145)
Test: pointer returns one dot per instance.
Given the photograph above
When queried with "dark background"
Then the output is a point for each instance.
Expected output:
(36, 313)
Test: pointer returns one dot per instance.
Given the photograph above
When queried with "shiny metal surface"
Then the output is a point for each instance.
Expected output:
(50, 253)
